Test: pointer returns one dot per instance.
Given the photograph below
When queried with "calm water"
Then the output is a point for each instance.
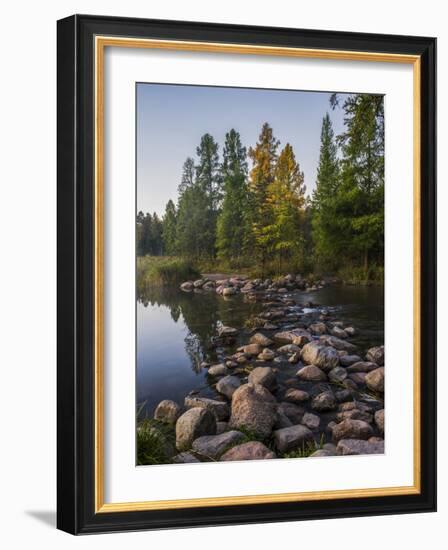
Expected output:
(174, 331)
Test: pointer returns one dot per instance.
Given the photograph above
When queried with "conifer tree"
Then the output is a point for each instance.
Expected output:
(232, 223)
(169, 229)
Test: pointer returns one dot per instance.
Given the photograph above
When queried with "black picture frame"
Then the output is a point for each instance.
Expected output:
(76, 264)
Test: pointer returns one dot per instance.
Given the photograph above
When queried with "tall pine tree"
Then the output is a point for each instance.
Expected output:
(232, 222)
(169, 229)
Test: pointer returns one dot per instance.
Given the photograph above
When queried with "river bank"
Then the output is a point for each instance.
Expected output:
(288, 378)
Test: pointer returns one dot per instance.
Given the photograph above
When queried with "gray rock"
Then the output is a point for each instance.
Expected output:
(295, 358)
(311, 373)
(352, 429)
(229, 291)
(337, 343)
(375, 380)
(355, 414)
(266, 355)
(343, 395)
(227, 331)
(228, 385)
(185, 458)
(322, 356)
(361, 366)
(318, 328)
(294, 437)
(220, 409)
(350, 331)
(376, 355)
(359, 447)
(347, 360)
(259, 338)
(252, 450)
(218, 370)
(325, 401)
(264, 376)
(311, 421)
(251, 349)
(193, 424)
(296, 396)
(297, 336)
(331, 447)
(288, 348)
(379, 420)
(199, 283)
(293, 412)
(338, 332)
(167, 411)
(213, 446)
(338, 374)
(221, 427)
(187, 286)
(253, 408)
(358, 378)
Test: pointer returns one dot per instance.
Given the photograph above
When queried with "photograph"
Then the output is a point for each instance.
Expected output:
(259, 274)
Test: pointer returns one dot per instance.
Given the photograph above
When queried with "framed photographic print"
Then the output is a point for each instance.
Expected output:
(246, 274)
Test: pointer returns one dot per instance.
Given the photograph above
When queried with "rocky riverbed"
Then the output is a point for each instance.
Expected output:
(292, 383)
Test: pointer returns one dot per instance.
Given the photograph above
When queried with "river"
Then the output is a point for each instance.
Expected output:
(174, 332)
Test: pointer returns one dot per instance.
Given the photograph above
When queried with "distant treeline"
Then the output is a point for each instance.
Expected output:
(238, 216)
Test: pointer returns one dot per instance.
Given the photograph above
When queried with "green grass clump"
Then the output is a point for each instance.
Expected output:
(155, 442)
(164, 270)
(356, 275)
(306, 450)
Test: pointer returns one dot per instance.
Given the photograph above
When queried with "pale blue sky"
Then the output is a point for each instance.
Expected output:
(172, 118)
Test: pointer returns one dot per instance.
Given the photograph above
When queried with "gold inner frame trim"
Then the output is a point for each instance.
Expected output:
(101, 42)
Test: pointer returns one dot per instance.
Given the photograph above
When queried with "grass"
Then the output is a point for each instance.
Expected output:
(153, 440)
(306, 450)
(164, 270)
(355, 275)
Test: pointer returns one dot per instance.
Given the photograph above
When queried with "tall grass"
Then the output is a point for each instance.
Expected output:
(355, 275)
(164, 270)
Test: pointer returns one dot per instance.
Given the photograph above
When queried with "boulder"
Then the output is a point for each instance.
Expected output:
(352, 429)
(251, 349)
(221, 427)
(288, 348)
(338, 374)
(297, 336)
(187, 286)
(185, 458)
(337, 343)
(292, 412)
(350, 331)
(253, 408)
(167, 411)
(375, 380)
(323, 402)
(199, 283)
(376, 355)
(322, 356)
(294, 437)
(252, 450)
(264, 376)
(229, 291)
(259, 338)
(343, 395)
(311, 421)
(359, 447)
(379, 420)
(311, 373)
(218, 370)
(193, 424)
(347, 360)
(361, 366)
(224, 331)
(228, 385)
(338, 332)
(220, 409)
(296, 396)
(318, 328)
(266, 355)
(321, 452)
(213, 446)
(358, 378)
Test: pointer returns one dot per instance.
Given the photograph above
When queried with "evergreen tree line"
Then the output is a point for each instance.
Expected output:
(260, 216)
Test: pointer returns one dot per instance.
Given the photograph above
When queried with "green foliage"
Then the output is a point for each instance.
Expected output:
(306, 450)
(154, 440)
(232, 224)
(158, 271)
(259, 221)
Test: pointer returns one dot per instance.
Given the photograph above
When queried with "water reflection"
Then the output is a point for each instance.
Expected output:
(175, 331)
